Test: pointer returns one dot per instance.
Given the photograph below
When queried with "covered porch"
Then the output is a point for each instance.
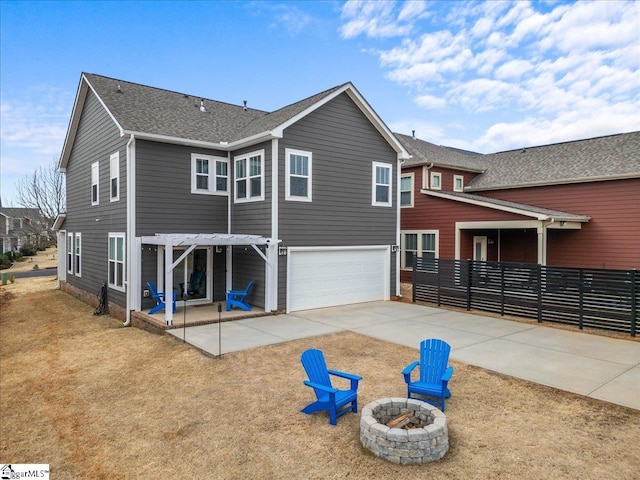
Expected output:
(175, 252)
(193, 315)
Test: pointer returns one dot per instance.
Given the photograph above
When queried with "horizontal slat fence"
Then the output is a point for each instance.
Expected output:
(582, 297)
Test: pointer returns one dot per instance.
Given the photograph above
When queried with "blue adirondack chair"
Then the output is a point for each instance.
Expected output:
(159, 297)
(196, 283)
(434, 373)
(336, 402)
(238, 298)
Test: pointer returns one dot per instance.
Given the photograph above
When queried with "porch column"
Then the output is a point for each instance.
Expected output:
(271, 284)
(168, 281)
(542, 244)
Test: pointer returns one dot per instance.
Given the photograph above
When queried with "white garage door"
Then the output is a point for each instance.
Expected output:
(324, 277)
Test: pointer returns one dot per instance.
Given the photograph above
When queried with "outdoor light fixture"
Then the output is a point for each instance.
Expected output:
(282, 250)
(395, 248)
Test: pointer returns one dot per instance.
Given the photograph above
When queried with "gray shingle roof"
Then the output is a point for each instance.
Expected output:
(144, 109)
(613, 156)
(494, 202)
(425, 153)
(150, 110)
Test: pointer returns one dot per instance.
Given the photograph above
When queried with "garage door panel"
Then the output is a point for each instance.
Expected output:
(329, 277)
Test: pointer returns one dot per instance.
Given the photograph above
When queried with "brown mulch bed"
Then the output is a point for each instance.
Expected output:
(95, 400)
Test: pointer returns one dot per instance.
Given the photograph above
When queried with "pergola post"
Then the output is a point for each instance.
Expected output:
(168, 281)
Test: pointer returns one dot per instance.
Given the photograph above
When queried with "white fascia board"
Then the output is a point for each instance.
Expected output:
(493, 206)
(57, 224)
(221, 146)
(362, 105)
(76, 113)
(373, 117)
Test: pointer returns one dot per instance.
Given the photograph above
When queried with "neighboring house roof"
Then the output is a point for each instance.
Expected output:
(594, 159)
(505, 206)
(425, 153)
(167, 116)
(18, 212)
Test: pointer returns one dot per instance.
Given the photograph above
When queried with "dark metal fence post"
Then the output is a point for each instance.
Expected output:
(539, 272)
(581, 300)
(634, 301)
(469, 273)
(502, 286)
(413, 290)
(439, 276)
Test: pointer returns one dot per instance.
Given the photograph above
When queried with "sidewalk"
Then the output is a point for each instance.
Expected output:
(596, 366)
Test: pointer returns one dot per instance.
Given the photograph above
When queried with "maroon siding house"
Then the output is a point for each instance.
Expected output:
(574, 204)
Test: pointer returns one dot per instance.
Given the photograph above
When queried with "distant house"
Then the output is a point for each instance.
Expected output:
(567, 204)
(23, 227)
(178, 189)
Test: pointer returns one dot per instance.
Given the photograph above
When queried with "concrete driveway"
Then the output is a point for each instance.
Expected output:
(596, 366)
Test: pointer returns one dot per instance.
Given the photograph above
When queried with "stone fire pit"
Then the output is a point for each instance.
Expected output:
(418, 432)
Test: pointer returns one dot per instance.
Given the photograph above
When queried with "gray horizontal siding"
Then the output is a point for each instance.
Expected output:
(253, 217)
(164, 202)
(344, 145)
(96, 140)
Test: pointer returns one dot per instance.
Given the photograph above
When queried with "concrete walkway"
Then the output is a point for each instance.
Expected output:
(596, 366)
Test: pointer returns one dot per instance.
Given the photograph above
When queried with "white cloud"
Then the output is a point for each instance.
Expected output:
(430, 102)
(34, 126)
(380, 19)
(555, 70)
(29, 124)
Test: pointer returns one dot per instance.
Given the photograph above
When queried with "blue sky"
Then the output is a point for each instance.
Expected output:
(483, 76)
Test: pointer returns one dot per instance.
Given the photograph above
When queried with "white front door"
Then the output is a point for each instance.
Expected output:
(480, 248)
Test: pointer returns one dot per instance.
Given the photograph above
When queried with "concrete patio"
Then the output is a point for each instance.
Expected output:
(592, 365)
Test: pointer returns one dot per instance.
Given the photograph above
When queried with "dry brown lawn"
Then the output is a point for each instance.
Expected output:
(96, 400)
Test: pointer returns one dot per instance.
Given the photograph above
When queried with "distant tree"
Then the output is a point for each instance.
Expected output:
(44, 189)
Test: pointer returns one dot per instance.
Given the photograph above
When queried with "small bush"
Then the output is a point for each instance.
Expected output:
(28, 251)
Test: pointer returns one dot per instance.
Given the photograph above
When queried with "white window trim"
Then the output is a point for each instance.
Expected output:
(374, 202)
(114, 174)
(412, 176)
(117, 235)
(419, 233)
(95, 181)
(249, 198)
(287, 194)
(70, 253)
(213, 175)
(77, 255)
(437, 175)
(455, 181)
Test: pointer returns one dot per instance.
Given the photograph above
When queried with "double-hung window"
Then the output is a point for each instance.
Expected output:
(114, 177)
(95, 183)
(436, 181)
(458, 183)
(77, 254)
(406, 190)
(209, 175)
(70, 253)
(116, 261)
(298, 181)
(381, 191)
(249, 177)
(419, 244)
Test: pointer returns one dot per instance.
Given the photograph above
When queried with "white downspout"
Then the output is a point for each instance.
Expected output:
(132, 280)
(229, 251)
(271, 295)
